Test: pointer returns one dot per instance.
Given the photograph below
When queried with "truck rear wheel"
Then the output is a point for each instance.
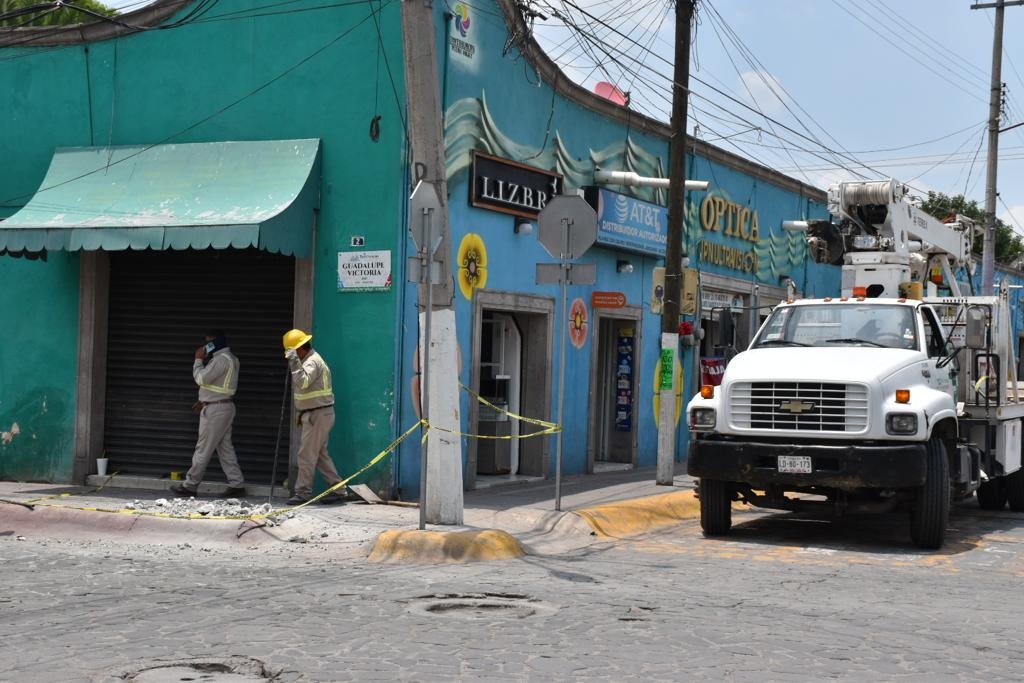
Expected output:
(1015, 490)
(715, 507)
(992, 494)
(931, 501)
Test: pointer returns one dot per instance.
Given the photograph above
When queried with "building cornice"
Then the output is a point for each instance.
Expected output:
(76, 34)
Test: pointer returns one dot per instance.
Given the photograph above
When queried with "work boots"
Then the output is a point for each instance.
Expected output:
(182, 491)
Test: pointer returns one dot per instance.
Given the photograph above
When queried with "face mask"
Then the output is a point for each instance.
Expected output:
(215, 345)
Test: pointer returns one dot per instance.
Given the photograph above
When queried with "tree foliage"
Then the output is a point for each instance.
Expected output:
(14, 13)
(1009, 245)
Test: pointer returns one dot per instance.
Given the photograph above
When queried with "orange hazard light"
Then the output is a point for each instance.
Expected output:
(707, 391)
(903, 395)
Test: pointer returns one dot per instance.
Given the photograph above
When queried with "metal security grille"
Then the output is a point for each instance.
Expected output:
(799, 406)
(161, 305)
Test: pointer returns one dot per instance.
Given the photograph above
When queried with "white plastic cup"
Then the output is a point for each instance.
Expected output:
(101, 466)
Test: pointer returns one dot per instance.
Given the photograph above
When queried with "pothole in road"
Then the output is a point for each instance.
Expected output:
(204, 670)
(481, 605)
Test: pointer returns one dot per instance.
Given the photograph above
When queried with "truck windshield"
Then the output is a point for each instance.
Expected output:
(840, 324)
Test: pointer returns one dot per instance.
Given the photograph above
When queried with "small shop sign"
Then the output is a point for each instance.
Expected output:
(364, 271)
(607, 300)
(627, 223)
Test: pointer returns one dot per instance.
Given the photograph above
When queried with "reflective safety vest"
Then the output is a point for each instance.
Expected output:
(311, 382)
(218, 379)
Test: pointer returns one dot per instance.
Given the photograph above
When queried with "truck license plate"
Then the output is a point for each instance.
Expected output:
(795, 464)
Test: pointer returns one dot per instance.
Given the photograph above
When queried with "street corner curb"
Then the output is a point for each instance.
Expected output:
(70, 523)
(445, 547)
(640, 515)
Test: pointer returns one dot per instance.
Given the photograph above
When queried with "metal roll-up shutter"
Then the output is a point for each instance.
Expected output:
(162, 304)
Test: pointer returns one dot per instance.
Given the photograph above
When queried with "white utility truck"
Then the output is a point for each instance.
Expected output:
(880, 399)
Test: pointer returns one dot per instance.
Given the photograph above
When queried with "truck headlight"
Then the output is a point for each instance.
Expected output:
(901, 423)
(702, 419)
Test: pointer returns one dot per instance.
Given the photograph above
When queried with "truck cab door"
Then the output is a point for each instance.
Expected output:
(939, 378)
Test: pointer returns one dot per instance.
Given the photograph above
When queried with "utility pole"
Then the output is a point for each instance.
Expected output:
(988, 256)
(442, 499)
(668, 380)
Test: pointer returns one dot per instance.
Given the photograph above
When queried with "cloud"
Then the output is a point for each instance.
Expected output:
(760, 88)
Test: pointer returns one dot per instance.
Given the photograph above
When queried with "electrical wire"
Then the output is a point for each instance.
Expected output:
(732, 99)
(338, 38)
(906, 52)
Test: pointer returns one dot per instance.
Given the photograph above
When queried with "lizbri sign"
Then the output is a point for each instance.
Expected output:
(510, 187)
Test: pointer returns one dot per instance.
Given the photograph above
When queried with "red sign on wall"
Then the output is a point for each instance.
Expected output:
(607, 300)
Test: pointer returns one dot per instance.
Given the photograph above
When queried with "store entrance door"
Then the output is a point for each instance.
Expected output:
(613, 398)
(511, 369)
(501, 357)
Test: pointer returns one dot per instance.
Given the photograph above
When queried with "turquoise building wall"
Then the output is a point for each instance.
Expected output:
(315, 71)
(39, 306)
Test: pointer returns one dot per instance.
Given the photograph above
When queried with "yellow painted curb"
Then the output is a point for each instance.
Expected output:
(438, 547)
(640, 515)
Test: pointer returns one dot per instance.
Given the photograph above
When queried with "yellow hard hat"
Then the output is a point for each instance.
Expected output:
(293, 339)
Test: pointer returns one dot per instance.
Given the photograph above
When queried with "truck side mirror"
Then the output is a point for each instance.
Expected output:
(726, 328)
(977, 328)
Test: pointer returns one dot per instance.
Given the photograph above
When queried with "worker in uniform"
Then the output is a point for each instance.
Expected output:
(314, 405)
(215, 370)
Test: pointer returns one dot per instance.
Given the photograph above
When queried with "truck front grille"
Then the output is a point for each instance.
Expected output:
(799, 406)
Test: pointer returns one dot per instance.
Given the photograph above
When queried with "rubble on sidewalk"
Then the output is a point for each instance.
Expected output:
(230, 507)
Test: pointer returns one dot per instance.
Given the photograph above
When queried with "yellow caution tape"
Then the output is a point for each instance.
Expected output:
(273, 513)
(548, 427)
(551, 430)
(68, 493)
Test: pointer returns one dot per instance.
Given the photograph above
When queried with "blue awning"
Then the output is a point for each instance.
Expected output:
(182, 196)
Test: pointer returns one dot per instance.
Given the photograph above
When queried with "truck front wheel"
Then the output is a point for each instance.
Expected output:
(931, 501)
(992, 494)
(715, 507)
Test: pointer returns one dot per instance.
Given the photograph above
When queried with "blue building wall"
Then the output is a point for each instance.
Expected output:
(498, 104)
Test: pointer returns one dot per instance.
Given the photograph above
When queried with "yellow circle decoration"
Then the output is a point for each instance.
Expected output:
(472, 264)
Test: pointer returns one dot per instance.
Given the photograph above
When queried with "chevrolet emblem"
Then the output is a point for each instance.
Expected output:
(796, 407)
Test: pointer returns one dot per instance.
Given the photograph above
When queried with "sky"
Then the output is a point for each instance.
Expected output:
(839, 79)
(908, 77)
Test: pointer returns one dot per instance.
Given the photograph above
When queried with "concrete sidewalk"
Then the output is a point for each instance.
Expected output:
(594, 507)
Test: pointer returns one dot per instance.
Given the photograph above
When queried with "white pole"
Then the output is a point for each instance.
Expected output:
(426, 259)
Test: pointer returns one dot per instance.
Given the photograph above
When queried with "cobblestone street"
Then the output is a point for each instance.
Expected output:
(785, 598)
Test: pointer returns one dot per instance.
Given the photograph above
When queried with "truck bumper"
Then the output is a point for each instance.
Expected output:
(843, 466)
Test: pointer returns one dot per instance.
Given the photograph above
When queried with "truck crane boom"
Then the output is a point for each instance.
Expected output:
(890, 241)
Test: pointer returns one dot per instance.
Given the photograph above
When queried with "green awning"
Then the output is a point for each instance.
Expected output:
(196, 195)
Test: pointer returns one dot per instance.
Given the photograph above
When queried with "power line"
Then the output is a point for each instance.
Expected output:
(908, 54)
(217, 113)
(735, 101)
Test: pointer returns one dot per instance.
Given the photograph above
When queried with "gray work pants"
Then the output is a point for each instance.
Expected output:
(316, 427)
(215, 435)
